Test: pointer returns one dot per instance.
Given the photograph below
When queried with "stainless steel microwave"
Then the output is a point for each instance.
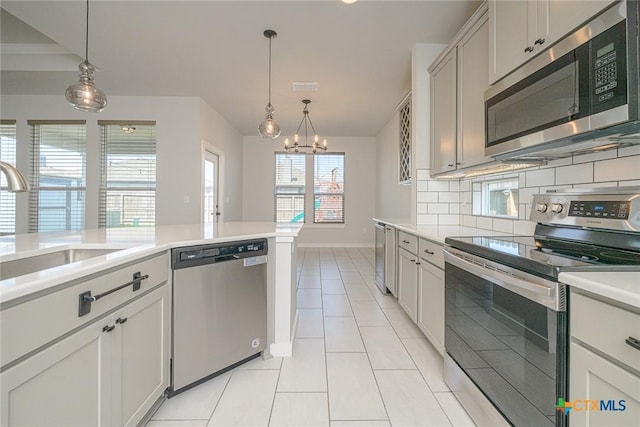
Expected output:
(578, 96)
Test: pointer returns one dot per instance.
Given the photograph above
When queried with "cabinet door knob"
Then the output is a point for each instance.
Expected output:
(417, 263)
(121, 320)
(633, 342)
(108, 328)
(540, 41)
(528, 49)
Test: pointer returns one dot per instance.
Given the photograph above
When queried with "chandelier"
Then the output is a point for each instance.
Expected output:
(84, 95)
(306, 121)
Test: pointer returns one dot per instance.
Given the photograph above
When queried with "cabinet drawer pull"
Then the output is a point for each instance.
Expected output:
(417, 263)
(427, 251)
(85, 298)
(633, 342)
(528, 49)
(108, 328)
(406, 242)
(450, 165)
(413, 260)
(121, 320)
(540, 41)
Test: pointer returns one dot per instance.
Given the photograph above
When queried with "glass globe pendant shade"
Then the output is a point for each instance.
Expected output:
(83, 95)
(269, 128)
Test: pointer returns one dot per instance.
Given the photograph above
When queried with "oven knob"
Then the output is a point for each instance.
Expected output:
(541, 207)
(556, 208)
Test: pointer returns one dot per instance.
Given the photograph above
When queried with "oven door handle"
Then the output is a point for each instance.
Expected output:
(542, 293)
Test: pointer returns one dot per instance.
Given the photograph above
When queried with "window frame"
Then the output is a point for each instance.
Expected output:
(7, 199)
(329, 194)
(277, 194)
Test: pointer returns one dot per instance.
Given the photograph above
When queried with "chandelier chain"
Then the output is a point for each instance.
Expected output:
(86, 38)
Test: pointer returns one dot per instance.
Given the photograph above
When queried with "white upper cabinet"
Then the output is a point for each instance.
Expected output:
(520, 29)
(443, 115)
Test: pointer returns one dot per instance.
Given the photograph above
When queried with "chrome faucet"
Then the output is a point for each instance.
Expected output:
(16, 181)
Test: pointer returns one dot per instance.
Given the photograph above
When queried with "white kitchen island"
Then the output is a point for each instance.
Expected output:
(112, 362)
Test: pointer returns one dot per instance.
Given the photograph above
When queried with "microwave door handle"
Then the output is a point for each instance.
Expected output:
(503, 280)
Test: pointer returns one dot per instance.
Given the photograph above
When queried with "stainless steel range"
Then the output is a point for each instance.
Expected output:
(506, 328)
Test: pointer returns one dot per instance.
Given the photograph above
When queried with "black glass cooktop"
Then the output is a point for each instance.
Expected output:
(545, 256)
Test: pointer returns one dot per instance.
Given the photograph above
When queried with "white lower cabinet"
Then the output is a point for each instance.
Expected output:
(108, 373)
(431, 304)
(408, 282)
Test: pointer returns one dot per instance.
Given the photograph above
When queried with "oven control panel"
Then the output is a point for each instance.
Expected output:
(615, 209)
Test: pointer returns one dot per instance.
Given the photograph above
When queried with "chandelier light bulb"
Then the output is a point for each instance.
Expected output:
(308, 126)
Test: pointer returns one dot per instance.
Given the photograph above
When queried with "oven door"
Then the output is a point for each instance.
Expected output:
(506, 331)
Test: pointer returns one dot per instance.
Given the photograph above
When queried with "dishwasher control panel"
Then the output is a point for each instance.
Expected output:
(207, 254)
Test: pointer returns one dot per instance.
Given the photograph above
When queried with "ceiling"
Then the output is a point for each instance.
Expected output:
(360, 54)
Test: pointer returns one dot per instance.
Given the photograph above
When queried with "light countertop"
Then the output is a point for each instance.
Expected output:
(623, 287)
(438, 233)
(135, 243)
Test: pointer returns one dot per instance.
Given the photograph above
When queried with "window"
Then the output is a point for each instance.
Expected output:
(496, 198)
(404, 156)
(128, 174)
(328, 188)
(290, 187)
(7, 199)
(58, 175)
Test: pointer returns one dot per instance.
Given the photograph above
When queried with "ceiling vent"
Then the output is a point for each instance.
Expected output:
(305, 86)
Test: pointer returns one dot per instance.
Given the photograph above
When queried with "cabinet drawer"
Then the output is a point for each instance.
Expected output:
(408, 242)
(28, 326)
(609, 331)
(432, 252)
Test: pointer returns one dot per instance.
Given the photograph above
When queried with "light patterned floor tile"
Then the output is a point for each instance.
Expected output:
(177, 423)
(353, 393)
(384, 423)
(306, 369)
(332, 286)
(428, 361)
(368, 313)
(385, 349)
(309, 282)
(260, 363)
(351, 276)
(408, 400)
(454, 410)
(310, 323)
(342, 335)
(300, 409)
(358, 292)
(402, 324)
(309, 298)
(196, 403)
(336, 306)
(247, 400)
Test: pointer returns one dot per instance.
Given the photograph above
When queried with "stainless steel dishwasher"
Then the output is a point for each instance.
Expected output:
(219, 309)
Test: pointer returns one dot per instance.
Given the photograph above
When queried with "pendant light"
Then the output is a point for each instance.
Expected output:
(269, 128)
(306, 121)
(84, 95)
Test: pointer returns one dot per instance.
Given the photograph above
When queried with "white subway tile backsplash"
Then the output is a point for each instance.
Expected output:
(580, 173)
(553, 188)
(476, 186)
(465, 185)
(634, 150)
(422, 208)
(469, 220)
(503, 225)
(437, 208)
(593, 157)
(540, 177)
(454, 185)
(465, 209)
(423, 174)
(525, 195)
(448, 219)
(522, 180)
(449, 197)
(424, 219)
(438, 185)
(559, 162)
(454, 208)
(523, 213)
(484, 222)
(615, 169)
(524, 228)
(597, 185)
(422, 185)
(425, 197)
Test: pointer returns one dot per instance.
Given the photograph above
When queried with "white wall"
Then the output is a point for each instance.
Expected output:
(217, 132)
(360, 164)
(393, 200)
(181, 123)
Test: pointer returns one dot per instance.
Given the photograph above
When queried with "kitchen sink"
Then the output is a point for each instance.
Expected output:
(32, 264)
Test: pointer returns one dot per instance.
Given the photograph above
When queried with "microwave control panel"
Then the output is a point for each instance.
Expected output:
(606, 72)
(609, 69)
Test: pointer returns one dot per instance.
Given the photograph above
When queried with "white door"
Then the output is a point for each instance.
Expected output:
(211, 190)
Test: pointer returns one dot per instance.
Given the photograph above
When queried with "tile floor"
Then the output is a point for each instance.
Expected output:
(358, 360)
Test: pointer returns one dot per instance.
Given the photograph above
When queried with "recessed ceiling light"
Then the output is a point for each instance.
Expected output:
(349, 1)
(305, 86)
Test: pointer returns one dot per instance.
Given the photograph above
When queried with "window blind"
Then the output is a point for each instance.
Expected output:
(289, 187)
(328, 188)
(128, 174)
(7, 199)
(57, 175)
